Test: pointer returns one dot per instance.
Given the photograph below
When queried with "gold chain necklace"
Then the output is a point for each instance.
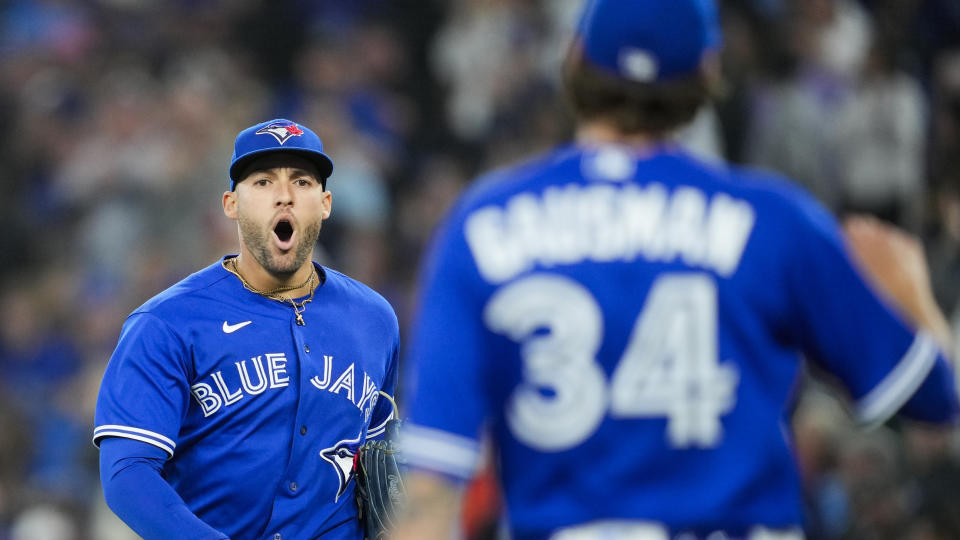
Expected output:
(274, 294)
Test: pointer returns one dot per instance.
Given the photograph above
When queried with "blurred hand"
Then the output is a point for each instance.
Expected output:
(894, 261)
(431, 510)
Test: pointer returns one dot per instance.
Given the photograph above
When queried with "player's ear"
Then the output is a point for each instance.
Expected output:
(230, 204)
(326, 204)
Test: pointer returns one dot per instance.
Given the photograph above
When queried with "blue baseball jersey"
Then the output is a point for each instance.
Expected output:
(260, 417)
(628, 327)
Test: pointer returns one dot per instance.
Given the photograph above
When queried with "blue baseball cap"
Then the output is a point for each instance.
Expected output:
(649, 40)
(278, 135)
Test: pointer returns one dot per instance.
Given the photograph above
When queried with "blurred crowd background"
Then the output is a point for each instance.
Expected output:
(117, 119)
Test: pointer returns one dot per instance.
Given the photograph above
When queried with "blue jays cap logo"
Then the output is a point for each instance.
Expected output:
(250, 144)
(281, 131)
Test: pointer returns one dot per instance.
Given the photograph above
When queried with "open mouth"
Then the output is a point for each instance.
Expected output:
(283, 230)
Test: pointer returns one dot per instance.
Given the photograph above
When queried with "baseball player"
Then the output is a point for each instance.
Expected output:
(623, 322)
(235, 400)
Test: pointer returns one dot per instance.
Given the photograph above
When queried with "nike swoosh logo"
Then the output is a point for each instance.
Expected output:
(231, 328)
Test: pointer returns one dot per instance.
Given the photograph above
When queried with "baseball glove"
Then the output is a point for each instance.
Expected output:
(379, 482)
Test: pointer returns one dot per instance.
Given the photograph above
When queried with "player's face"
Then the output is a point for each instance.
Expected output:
(279, 206)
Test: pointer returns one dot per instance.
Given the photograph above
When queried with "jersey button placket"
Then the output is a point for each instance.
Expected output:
(278, 536)
(293, 487)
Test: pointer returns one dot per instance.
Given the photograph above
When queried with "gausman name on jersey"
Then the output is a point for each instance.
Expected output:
(605, 223)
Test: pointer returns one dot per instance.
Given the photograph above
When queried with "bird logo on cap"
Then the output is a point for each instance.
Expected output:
(281, 131)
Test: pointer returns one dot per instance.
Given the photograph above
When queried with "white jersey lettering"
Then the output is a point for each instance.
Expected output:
(278, 370)
(605, 223)
(248, 387)
(344, 382)
(229, 398)
(209, 400)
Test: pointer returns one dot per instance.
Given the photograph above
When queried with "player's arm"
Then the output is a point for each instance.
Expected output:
(895, 263)
(431, 510)
(143, 397)
(130, 472)
(885, 349)
(444, 384)
(384, 411)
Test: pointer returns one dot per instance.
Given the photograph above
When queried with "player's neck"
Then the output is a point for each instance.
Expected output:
(599, 132)
(257, 277)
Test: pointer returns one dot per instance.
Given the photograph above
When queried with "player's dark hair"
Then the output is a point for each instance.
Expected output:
(631, 107)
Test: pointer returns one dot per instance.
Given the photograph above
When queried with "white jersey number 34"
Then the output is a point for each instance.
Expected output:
(669, 368)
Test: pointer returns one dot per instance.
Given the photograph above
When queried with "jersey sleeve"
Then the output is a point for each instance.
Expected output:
(134, 488)
(853, 333)
(383, 411)
(145, 392)
(447, 404)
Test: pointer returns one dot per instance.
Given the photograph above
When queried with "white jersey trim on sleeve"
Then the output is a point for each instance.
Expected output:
(137, 434)
(896, 388)
(377, 431)
(440, 451)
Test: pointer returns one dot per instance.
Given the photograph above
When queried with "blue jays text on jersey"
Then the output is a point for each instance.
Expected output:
(626, 327)
(259, 416)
